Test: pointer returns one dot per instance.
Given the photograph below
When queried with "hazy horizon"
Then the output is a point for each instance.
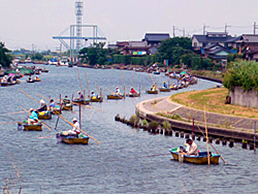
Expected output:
(30, 23)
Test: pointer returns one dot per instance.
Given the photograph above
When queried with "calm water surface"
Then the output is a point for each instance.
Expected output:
(118, 165)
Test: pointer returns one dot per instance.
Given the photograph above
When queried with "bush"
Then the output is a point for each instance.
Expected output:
(176, 116)
(153, 125)
(144, 122)
(166, 125)
(133, 119)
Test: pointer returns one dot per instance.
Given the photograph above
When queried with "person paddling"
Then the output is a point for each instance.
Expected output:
(33, 117)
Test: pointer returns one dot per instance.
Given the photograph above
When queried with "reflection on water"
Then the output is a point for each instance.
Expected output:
(118, 165)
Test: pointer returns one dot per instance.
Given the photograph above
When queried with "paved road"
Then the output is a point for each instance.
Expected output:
(164, 104)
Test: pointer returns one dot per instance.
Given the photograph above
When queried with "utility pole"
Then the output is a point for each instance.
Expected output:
(184, 32)
(204, 28)
(226, 26)
(255, 27)
(174, 31)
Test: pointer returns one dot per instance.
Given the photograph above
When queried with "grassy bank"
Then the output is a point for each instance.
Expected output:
(210, 74)
(213, 100)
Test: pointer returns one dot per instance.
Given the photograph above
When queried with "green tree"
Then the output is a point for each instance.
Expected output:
(5, 58)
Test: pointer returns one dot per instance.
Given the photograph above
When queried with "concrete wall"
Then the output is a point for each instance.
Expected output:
(248, 98)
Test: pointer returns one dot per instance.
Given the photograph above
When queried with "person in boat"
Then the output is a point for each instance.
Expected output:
(75, 130)
(117, 91)
(81, 96)
(93, 95)
(30, 78)
(192, 150)
(132, 91)
(33, 117)
(165, 85)
(52, 105)
(66, 100)
(43, 106)
(37, 78)
(153, 88)
(4, 80)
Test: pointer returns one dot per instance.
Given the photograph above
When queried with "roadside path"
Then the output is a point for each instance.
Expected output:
(165, 105)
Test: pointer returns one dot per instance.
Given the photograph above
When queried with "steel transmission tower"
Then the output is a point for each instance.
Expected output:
(78, 13)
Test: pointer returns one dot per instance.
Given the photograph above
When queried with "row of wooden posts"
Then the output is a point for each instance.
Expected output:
(178, 133)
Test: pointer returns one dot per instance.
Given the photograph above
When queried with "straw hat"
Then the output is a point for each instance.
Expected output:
(31, 109)
(74, 119)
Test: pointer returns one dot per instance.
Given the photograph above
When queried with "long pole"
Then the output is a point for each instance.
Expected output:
(123, 82)
(79, 78)
(87, 84)
(254, 136)
(207, 139)
(29, 96)
(80, 115)
(212, 146)
(133, 78)
(79, 129)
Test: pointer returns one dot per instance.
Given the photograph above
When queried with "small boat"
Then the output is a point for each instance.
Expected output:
(30, 81)
(44, 115)
(68, 107)
(96, 99)
(34, 127)
(115, 97)
(164, 89)
(84, 102)
(44, 70)
(157, 72)
(133, 95)
(56, 111)
(174, 87)
(70, 139)
(152, 91)
(202, 158)
(37, 80)
(10, 83)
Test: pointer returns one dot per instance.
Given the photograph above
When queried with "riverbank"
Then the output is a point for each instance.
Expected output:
(219, 125)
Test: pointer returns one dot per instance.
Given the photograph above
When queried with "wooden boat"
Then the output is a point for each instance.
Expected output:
(44, 70)
(164, 89)
(45, 115)
(30, 81)
(56, 111)
(70, 139)
(133, 95)
(36, 127)
(68, 107)
(97, 99)
(84, 102)
(10, 83)
(152, 91)
(115, 97)
(202, 158)
(156, 72)
(37, 80)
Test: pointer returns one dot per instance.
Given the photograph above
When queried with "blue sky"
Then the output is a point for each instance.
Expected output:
(33, 22)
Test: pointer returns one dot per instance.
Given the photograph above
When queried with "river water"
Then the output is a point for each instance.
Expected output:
(120, 164)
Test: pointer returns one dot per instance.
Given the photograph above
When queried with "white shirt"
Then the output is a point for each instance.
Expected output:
(193, 150)
(76, 126)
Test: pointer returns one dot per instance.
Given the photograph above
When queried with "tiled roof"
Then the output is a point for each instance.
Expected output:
(212, 39)
(156, 36)
(249, 38)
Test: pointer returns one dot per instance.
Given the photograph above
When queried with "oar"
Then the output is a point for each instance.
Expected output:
(29, 96)
(153, 80)
(133, 78)
(87, 84)
(7, 123)
(61, 105)
(17, 172)
(79, 129)
(45, 137)
(212, 146)
(35, 118)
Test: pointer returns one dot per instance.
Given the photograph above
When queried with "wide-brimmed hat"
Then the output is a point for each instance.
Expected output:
(74, 119)
(31, 109)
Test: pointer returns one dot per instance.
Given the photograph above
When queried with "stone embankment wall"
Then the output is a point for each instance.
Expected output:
(248, 98)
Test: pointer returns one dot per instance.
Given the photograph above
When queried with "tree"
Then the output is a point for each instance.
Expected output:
(173, 48)
(5, 59)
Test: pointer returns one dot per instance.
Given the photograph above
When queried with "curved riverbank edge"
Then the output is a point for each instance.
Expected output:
(208, 78)
(148, 110)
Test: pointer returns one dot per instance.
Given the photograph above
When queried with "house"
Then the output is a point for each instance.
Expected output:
(247, 43)
(200, 41)
(136, 48)
(155, 38)
(216, 53)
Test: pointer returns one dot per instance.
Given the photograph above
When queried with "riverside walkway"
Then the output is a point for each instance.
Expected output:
(165, 105)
